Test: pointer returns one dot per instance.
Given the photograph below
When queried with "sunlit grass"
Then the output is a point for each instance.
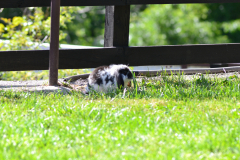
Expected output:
(155, 119)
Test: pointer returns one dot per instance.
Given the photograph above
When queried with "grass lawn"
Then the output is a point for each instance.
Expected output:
(171, 118)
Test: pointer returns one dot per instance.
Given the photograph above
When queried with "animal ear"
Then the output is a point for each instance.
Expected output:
(120, 81)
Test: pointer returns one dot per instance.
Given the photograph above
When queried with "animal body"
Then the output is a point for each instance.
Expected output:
(109, 78)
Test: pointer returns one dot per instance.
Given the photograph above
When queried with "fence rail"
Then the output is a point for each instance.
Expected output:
(116, 39)
(46, 3)
(135, 56)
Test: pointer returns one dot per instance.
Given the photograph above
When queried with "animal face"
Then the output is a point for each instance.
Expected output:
(126, 74)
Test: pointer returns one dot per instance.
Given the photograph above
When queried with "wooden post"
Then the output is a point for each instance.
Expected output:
(117, 26)
(54, 43)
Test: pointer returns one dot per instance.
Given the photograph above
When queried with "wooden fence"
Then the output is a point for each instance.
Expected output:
(116, 49)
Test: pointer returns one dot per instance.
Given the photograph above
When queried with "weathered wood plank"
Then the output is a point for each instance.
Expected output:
(135, 56)
(179, 1)
(68, 59)
(109, 26)
(45, 3)
(90, 58)
(183, 54)
(24, 60)
(117, 26)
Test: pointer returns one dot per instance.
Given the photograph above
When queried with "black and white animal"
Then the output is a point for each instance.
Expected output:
(109, 78)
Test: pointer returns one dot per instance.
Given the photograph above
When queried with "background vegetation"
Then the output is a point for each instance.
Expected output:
(27, 28)
(150, 25)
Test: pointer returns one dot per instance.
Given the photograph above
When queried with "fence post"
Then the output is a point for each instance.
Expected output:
(54, 43)
(117, 26)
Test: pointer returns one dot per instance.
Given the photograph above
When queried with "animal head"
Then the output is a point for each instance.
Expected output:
(126, 74)
(123, 75)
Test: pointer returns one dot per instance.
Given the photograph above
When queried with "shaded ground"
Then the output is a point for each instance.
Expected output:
(42, 85)
(78, 85)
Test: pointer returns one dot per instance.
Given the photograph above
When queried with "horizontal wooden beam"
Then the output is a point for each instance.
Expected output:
(45, 3)
(68, 59)
(134, 56)
(183, 54)
(179, 1)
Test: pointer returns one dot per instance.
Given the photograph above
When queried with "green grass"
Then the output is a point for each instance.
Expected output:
(172, 118)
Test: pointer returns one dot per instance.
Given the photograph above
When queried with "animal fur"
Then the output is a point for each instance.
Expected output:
(109, 78)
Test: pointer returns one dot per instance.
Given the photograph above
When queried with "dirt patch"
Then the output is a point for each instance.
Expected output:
(77, 85)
